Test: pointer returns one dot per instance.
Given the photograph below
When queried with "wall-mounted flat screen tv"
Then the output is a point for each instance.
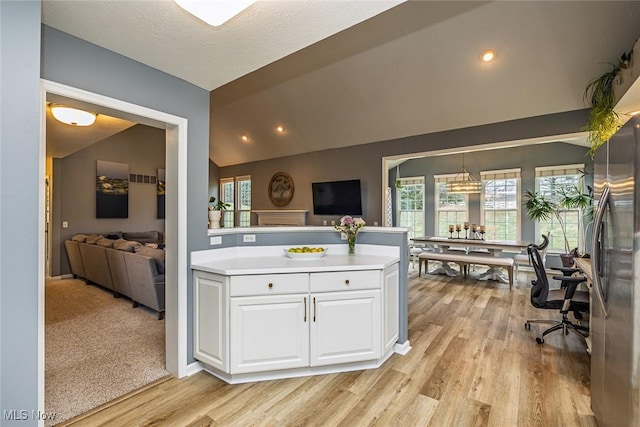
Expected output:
(337, 198)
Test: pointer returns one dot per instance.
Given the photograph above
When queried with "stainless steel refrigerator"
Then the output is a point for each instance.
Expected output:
(615, 264)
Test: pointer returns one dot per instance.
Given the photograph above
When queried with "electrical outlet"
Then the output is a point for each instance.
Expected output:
(215, 240)
(343, 236)
(65, 224)
(248, 237)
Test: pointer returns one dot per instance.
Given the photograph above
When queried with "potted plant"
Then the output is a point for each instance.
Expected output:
(215, 211)
(603, 120)
(541, 208)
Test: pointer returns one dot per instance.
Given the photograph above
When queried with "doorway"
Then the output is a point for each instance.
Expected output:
(175, 220)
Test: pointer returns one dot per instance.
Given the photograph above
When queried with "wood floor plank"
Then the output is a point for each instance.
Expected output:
(472, 363)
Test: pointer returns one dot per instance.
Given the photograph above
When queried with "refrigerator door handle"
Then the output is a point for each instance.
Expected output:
(596, 248)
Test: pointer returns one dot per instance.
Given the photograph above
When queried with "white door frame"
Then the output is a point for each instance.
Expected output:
(175, 223)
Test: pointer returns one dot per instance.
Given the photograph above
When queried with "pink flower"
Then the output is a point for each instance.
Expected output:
(350, 225)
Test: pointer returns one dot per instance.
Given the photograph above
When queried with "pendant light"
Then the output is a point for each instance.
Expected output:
(464, 182)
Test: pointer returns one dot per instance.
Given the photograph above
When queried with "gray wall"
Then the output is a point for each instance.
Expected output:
(527, 158)
(19, 214)
(364, 161)
(75, 62)
(143, 149)
(214, 180)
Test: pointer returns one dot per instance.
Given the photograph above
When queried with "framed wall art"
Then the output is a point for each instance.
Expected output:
(281, 189)
(112, 189)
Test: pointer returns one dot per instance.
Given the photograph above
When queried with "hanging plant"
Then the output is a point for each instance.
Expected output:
(603, 120)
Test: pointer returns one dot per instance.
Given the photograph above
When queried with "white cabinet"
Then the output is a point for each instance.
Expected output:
(211, 333)
(345, 327)
(391, 307)
(269, 332)
(247, 325)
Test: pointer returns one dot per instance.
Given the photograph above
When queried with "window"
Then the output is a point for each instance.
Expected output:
(226, 195)
(500, 204)
(244, 200)
(450, 208)
(411, 205)
(550, 181)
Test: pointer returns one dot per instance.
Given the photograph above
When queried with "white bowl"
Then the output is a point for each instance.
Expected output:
(305, 255)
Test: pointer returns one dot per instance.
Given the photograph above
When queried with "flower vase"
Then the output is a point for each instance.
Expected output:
(351, 240)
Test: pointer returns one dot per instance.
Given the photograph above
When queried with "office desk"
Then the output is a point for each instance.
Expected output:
(584, 265)
(494, 248)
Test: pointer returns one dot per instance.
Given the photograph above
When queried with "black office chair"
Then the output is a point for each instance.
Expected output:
(565, 299)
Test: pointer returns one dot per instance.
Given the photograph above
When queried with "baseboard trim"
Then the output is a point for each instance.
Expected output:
(194, 368)
(61, 277)
(403, 348)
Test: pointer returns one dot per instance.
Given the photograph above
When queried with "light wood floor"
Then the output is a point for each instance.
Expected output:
(472, 364)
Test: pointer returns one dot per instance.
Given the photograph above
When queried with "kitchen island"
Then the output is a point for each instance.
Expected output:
(261, 315)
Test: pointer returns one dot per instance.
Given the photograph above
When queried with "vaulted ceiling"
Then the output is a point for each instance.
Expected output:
(349, 72)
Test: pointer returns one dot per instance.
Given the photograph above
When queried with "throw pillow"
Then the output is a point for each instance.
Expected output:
(79, 238)
(142, 237)
(93, 239)
(106, 243)
(125, 245)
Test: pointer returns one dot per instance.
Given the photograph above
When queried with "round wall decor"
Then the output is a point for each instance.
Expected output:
(281, 189)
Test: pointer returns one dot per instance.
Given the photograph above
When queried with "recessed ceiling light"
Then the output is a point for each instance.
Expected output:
(214, 12)
(245, 138)
(72, 116)
(488, 55)
(280, 129)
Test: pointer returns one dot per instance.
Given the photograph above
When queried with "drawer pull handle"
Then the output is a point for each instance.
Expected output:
(270, 285)
(346, 282)
(305, 309)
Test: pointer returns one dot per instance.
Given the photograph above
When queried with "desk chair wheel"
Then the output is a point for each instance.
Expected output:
(540, 340)
(527, 326)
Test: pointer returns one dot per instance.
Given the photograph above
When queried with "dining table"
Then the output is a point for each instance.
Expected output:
(474, 246)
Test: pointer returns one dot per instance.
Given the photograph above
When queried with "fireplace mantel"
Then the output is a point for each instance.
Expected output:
(281, 216)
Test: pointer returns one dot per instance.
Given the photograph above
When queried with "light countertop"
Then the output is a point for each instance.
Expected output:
(282, 264)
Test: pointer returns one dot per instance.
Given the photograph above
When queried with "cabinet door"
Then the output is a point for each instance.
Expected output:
(345, 327)
(211, 334)
(269, 333)
(391, 305)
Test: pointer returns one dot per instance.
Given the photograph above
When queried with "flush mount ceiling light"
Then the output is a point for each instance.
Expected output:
(72, 116)
(488, 55)
(464, 182)
(214, 12)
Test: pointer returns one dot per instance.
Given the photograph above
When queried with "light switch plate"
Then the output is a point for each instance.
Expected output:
(65, 224)
(248, 237)
(215, 240)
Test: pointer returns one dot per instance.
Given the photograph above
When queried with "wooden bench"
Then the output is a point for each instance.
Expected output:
(464, 260)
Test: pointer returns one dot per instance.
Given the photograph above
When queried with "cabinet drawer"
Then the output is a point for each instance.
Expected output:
(345, 280)
(269, 284)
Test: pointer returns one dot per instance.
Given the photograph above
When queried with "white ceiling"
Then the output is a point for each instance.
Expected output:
(411, 70)
(161, 34)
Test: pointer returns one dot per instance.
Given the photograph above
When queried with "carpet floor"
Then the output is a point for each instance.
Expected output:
(97, 347)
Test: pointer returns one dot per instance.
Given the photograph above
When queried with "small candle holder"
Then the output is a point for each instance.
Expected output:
(458, 228)
(451, 231)
(466, 229)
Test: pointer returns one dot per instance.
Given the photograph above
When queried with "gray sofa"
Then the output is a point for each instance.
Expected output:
(126, 267)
